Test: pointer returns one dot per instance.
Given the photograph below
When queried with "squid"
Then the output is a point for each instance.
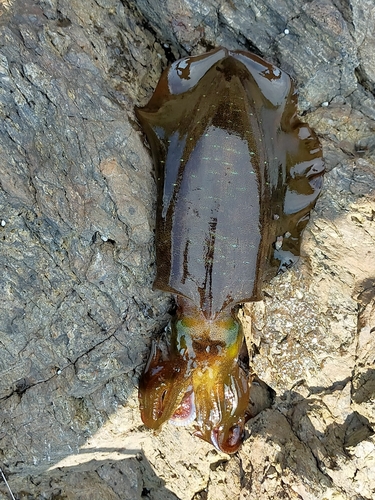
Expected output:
(237, 175)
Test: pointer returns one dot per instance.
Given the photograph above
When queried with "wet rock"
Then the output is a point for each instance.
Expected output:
(77, 200)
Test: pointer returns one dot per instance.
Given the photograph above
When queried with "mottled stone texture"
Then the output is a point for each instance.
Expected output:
(77, 200)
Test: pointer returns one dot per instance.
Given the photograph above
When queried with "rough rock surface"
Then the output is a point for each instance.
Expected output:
(77, 201)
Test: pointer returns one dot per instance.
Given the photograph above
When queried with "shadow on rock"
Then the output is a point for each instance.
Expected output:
(125, 478)
(298, 438)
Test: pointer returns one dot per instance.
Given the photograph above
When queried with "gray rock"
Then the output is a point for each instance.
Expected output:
(77, 200)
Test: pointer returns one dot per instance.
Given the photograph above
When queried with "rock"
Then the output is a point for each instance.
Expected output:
(77, 200)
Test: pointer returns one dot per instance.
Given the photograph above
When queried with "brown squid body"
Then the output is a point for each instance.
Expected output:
(237, 175)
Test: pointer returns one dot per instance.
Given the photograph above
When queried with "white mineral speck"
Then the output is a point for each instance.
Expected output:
(325, 104)
(279, 242)
(286, 31)
(299, 294)
(3, 223)
(104, 238)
